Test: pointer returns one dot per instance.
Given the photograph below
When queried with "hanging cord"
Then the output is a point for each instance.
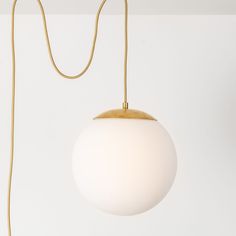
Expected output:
(12, 141)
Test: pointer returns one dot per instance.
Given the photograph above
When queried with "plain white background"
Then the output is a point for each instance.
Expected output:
(182, 70)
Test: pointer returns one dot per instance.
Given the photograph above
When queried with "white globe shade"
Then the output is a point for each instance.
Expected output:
(124, 166)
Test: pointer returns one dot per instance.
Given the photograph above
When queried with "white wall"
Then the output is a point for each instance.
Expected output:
(182, 70)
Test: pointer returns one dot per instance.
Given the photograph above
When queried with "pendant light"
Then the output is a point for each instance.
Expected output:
(124, 162)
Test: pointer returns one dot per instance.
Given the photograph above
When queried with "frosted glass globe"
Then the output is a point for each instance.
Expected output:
(124, 166)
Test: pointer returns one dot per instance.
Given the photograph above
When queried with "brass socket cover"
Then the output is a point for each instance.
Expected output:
(125, 114)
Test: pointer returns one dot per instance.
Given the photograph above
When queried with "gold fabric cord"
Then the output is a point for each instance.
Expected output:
(125, 103)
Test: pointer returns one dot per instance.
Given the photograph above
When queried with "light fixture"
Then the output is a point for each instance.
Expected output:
(124, 166)
(124, 162)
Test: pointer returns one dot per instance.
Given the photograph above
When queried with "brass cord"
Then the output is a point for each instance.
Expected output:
(93, 45)
(125, 103)
(12, 140)
(92, 49)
